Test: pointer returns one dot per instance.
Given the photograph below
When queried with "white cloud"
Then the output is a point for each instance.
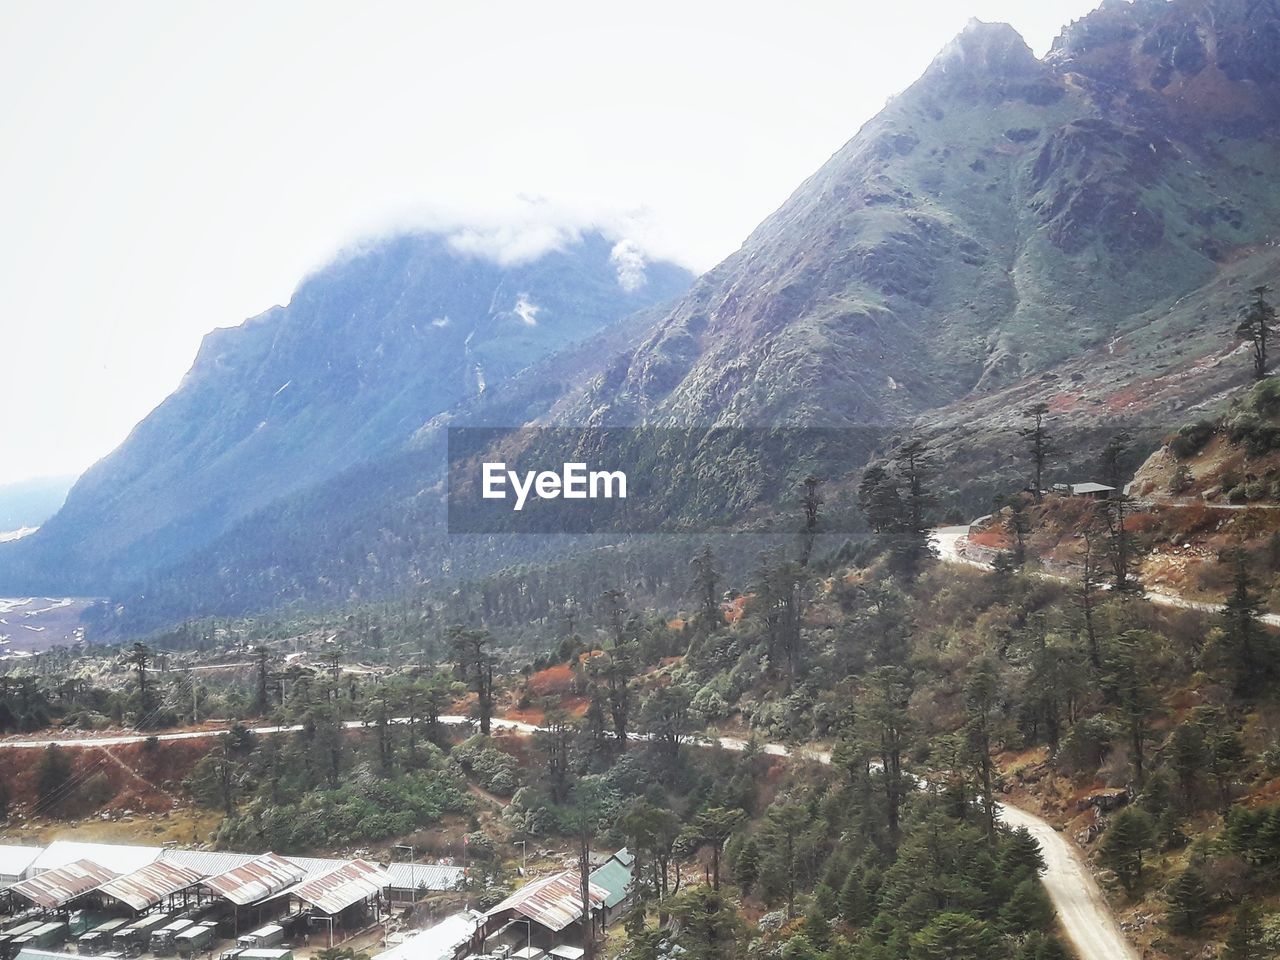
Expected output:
(520, 228)
(628, 260)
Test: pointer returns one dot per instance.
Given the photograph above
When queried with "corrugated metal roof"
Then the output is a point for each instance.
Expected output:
(261, 877)
(335, 891)
(14, 861)
(149, 885)
(119, 857)
(209, 862)
(424, 876)
(440, 942)
(553, 902)
(54, 888)
(317, 866)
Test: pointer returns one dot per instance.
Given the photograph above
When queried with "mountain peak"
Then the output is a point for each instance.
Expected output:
(985, 49)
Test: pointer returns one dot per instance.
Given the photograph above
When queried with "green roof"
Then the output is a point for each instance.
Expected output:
(615, 879)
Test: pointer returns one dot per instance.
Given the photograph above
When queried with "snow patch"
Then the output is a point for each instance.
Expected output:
(8, 535)
(527, 310)
(440, 321)
(53, 605)
(282, 389)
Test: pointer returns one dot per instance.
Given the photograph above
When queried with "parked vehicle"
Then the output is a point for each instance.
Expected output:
(162, 940)
(265, 953)
(52, 934)
(133, 939)
(263, 937)
(98, 940)
(195, 939)
(294, 924)
(7, 949)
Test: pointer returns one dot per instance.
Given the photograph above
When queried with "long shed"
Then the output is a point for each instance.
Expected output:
(54, 889)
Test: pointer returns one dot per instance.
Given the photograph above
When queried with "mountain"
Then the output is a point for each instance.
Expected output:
(367, 350)
(1079, 229)
(1092, 217)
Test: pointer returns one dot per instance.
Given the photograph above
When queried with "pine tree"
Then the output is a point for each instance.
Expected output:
(955, 936)
(713, 827)
(1038, 443)
(1243, 644)
(261, 697)
(1039, 946)
(1126, 843)
(817, 922)
(706, 579)
(1129, 682)
(1027, 909)
(1257, 326)
(746, 868)
(1021, 855)
(981, 694)
(912, 547)
(1114, 511)
(1244, 941)
(854, 905)
(811, 504)
(1188, 901)
(52, 775)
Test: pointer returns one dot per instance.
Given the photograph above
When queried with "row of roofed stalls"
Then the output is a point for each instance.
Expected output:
(119, 900)
(540, 921)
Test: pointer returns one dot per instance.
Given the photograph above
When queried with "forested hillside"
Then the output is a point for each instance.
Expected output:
(1150, 733)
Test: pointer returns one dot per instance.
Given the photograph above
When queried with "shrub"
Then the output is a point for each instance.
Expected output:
(496, 771)
(1192, 438)
(1086, 745)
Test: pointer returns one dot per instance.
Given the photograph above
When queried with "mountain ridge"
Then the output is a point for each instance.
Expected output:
(367, 350)
(1072, 229)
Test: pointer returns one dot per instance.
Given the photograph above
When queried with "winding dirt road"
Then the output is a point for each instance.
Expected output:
(947, 541)
(1075, 895)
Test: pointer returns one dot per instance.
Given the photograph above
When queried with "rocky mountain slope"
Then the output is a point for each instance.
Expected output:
(1004, 219)
(367, 350)
(1079, 230)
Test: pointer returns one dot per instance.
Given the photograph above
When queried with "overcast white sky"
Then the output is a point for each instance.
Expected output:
(173, 167)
